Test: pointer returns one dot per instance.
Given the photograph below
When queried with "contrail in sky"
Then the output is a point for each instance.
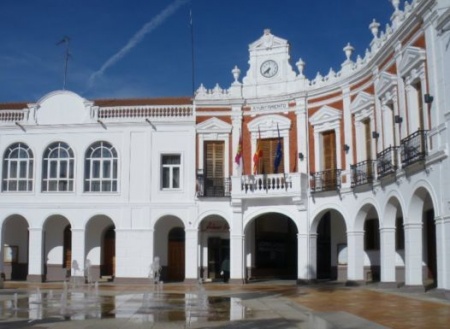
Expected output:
(137, 38)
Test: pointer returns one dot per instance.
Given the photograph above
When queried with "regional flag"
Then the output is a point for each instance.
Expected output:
(278, 154)
(258, 155)
(238, 156)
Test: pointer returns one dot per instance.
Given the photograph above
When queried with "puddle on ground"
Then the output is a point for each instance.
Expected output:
(156, 306)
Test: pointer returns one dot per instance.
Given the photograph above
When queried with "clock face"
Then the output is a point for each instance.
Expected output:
(269, 68)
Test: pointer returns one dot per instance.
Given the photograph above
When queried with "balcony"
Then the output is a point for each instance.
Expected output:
(213, 187)
(328, 180)
(414, 148)
(267, 185)
(387, 162)
(362, 173)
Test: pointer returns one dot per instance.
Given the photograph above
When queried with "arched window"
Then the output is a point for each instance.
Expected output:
(58, 168)
(17, 168)
(100, 172)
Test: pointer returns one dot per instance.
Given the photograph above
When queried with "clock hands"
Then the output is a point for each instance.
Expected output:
(267, 71)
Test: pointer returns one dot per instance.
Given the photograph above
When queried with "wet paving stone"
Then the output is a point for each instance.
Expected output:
(272, 305)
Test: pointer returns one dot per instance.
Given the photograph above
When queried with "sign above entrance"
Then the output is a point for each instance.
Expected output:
(284, 106)
(215, 226)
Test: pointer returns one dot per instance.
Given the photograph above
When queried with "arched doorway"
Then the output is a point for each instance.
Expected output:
(169, 247)
(176, 255)
(57, 236)
(215, 247)
(15, 244)
(100, 249)
(271, 247)
(421, 270)
(331, 247)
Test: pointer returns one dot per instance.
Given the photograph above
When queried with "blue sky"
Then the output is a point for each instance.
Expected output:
(142, 48)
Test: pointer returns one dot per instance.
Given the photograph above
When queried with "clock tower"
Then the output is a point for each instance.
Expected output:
(270, 72)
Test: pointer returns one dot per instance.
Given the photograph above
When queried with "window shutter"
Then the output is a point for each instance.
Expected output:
(329, 150)
(269, 148)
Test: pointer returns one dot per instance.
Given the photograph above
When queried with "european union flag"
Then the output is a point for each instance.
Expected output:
(278, 156)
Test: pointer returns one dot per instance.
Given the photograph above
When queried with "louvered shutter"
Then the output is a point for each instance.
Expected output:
(214, 168)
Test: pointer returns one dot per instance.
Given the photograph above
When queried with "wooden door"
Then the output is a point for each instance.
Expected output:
(269, 151)
(176, 255)
(109, 253)
(214, 168)
(67, 253)
(329, 159)
(368, 139)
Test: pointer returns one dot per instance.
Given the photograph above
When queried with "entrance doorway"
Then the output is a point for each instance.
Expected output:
(218, 251)
(324, 248)
(275, 247)
(109, 253)
(176, 257)
(431, 247)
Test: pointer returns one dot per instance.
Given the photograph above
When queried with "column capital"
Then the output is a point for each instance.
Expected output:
(387, 229)
(412, 226)
(355, 233)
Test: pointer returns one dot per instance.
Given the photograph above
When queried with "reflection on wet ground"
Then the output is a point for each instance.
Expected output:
(145, 307)
(274, 305)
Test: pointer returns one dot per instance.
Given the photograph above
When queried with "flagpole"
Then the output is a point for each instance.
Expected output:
(65, 40)
(191, 23)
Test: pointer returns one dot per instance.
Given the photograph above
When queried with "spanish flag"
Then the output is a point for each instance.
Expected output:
(258, 155)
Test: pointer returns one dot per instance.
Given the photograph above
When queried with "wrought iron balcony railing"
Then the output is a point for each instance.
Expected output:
(362, 173)
(387, 161)
(327, 180)
(213, 187)
(414, 148)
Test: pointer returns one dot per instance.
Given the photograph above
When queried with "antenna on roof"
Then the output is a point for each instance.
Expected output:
(66, 41)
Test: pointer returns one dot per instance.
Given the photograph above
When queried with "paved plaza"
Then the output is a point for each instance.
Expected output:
(279, 305)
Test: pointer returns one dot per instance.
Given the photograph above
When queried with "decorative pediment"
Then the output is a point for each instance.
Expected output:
(412, 59)
(62, 107)
(361, 102)
(269, 125)
(268, 41)
(213, 125)
(385, 83)
(325, 114)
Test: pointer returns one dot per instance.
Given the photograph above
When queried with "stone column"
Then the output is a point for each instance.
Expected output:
(355, 274)
(191, 258)
(78, 251)
(237, 239)
(443, 256)
(35, 256)
(413, 254)
(237, 271)
(303, 268)
(312, 266)
(387, 256)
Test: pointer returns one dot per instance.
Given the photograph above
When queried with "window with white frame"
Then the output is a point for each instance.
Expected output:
(100, 168)
(17, 168)
(171, 171)
(58, 168)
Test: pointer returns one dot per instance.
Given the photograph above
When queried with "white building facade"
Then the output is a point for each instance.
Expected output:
(340, 177)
